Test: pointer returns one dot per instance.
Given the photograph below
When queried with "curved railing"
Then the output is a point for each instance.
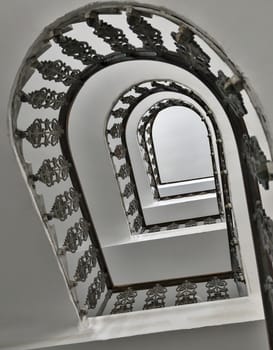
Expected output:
(115, 130)
(73, 231)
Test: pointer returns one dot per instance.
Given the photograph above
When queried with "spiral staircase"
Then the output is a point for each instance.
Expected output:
(116, 238)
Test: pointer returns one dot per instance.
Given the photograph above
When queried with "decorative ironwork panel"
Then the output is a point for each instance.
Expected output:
(230, 95)
(42, 133)
(124, 171)
(264, 226)
(80, 50)
(238, 274)
(133, 207)
(53, 171)
(150, 37)
(187, 47)
(119, 152)
(86, 263)
(44, 98)
(65, 205)
(155, 297)
(141, 90)
(116, 131)
(217, 289)
(209, 220)
(186, 293)
(191, 223)
(172, 226)
(95, 290)
(76, 235)
(256, 161)
(111, 35)
(146, 158)
(142, 142)
(128, 99)
(141, 129)
(128, 190)
(138, 223)
(149, 170)
(149, 140)
(119, 113)
(154, 228)
(124, 302)
(58, 71)
(268, 288)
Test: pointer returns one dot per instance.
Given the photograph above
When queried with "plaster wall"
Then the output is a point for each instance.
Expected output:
(250, 336)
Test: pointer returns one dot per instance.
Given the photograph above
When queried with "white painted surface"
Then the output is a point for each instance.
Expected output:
(33, 314)
(185, 253)
(184, 187)
(249, 336)
(181, 209)
(181, 318)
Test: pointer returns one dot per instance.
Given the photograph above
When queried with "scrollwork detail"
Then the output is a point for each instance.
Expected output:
(65, 205)
(53, 171)
(44, 98)
(95, 290)
(186, 293)
(151, 37)
(58, 71)
(256, 161)
(188, 48)
(124, 302)
(76, 235)
(155, 297)
(111, 35)
(42, 133)
(230, 95)
(80, 50)
(85, 264)
(217, 289)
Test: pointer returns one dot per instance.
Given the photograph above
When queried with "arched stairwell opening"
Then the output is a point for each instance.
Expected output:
(148, 154)
(164, 169)
(82, 113)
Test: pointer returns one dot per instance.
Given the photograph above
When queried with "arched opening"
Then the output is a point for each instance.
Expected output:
(181, 146)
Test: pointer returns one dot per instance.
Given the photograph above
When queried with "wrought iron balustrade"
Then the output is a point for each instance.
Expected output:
(148, 89)
(174, 293)
(146, 142)
(46, 132)
(259, 166)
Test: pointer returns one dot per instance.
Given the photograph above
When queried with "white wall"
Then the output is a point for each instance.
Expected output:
(249, 336)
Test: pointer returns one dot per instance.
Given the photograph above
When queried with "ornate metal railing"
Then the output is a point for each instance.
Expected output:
(116, 127)
(174, 293)
(149, 155)
(46, 133)
(146, 142)
(116, 130)
(260, 171)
